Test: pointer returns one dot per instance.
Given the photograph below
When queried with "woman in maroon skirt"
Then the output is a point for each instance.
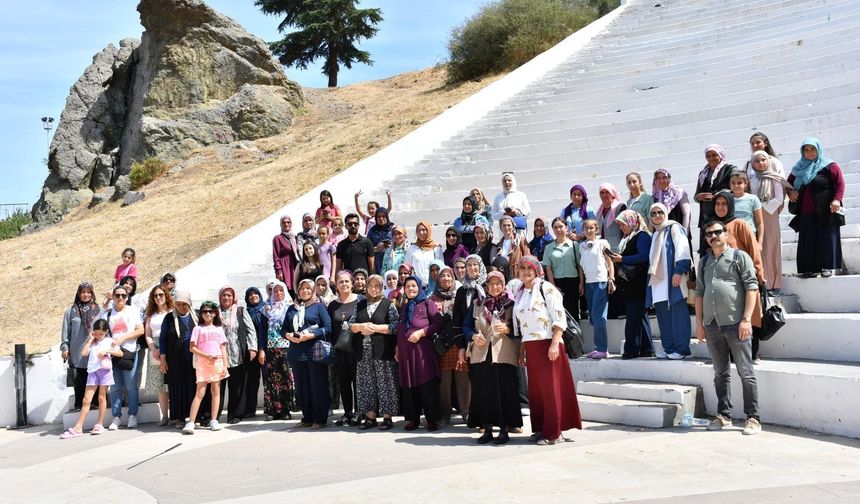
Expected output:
(540, 320)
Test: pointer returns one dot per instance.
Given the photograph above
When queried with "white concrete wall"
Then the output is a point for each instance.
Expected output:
(47, 395)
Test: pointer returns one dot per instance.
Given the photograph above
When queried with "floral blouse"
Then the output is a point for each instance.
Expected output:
(535, 317)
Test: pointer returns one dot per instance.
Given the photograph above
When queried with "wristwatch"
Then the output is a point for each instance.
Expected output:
(746, 319)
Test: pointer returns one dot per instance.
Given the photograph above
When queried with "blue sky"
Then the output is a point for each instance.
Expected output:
(45, 45)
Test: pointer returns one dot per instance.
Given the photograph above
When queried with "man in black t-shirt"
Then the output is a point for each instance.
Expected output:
(354, 251)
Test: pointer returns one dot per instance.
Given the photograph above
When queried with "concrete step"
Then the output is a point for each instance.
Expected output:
(655, 415)
(688, 397)
(838, 294)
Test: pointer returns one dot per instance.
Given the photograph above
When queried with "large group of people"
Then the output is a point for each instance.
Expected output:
(381, 325)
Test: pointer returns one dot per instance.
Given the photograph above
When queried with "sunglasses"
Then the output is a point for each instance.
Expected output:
(207, 311)
(169, 280)
(351, 224)
(450, 236)
(711, 234)
(120, 296)
(657, 212)
(159, 295)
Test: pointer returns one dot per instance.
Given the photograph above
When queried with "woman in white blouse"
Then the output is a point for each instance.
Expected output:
(767, 176)
(540, 320)
(512, 203)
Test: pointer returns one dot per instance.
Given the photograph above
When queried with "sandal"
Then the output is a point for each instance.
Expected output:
(367, 424)
(387, 424)
(97, 429)
(71, 433)
(342, 420)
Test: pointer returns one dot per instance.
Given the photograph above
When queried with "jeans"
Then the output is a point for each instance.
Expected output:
(674, 322)
(128, 380)
(598, 299)
(723, 341)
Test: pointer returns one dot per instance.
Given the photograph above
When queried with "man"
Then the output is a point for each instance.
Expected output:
(354, 251)
(726, 290)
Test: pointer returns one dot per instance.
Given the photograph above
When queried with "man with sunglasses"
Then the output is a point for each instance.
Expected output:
(726, 290)
(354, 251)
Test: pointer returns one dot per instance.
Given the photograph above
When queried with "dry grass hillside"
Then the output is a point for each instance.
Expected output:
(212, 196)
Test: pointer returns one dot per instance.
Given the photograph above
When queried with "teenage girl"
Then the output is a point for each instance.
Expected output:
(126, 267)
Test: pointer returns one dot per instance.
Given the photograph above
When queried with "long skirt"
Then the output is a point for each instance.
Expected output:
(818, 247)
(421, 398)
(181, 387)
(553, 406)
(312, 390)
(376, 384)
(495, 400)
(278, 389)
(771, 253)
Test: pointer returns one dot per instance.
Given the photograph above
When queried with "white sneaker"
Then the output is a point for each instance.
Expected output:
(719, 422)
(189, 427)
(752, 427)
(661, 355)
(132, 421)
(676, 356)
(114, 424)
(215, 425)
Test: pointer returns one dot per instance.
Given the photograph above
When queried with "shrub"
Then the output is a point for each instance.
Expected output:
(507, 33)
(11, 226)
(144, 172)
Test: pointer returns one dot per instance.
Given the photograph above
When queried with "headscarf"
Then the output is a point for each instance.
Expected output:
(278, 309)
(459, 241)
(308, 233)
(291, 239)
(299, 317)
(767, 178)
(475, 286)
(431, 284)
(359, 271)
(469, 218)
(229, 318)
(730, 202)
(409, 308)
(384, 228)
(375, 278)
(255, 310)
(804, 170)
(532, 263)
(442, 293)
(671, 195)
(500, 302)
(387, 290)
(483, 201)
(88, 312)
(657, 268)
(427, 244)
(583, 208)
(613, 206)
(537, 244)
(706, 171)
(633, 219)
(329, 295)
(513, 183)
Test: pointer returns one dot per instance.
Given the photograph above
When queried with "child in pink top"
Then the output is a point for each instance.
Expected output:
(327, 211)
(126, 267)
(209, 345)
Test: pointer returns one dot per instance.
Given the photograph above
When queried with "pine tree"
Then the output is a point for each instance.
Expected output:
(327, 29)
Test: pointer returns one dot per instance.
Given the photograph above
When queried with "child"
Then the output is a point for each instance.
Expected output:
(326, 251)
(209, 346)
(327, 211)
(98, 349)
(127, 267)
(596, 281)
(747, 206)
(369, 218)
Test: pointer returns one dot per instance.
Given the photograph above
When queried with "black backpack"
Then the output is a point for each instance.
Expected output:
(572, 335)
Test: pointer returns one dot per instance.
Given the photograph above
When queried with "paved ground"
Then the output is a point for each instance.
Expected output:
(270, 462)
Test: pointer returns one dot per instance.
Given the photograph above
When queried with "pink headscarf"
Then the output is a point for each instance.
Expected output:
(613, 207)
(706, 171)
(671, 196)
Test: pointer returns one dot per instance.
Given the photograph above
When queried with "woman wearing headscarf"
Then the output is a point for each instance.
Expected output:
(542, 237)
(436, 266)
(630, 276)
(285, 251)
(512, 245)
(323, 289)
(254, 304)
(713, 178)
(307, 321)
(390, 283)
(343, 372)
(817, 201)
(241, 349)
(484, 247)
(403, 272)
(278, 387)
(454, 246)
(176, 358)
(395, 255)
(767, 182)
(423, 251)
(577, 212)
(374, 323)
(669, 263)
(381, 236)
(672, 197)
(539, 320)
(484, 207)
(452, 363)
(77, 323)
(359, 281)
(492, 354)
(308, 232)
(611, 205)
(512, 203)
(418, 363)
(465, 223)
(168, 283)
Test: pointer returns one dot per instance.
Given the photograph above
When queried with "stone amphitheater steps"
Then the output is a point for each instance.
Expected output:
(637, 402)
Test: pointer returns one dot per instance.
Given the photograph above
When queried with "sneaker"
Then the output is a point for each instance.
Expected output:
(752, 427)
(661, 355)
(132, 421)
(719, 422)
(676, 356)
(114, 424)
(826, 273)
(757, 360)
(215, 425)
(189, 427)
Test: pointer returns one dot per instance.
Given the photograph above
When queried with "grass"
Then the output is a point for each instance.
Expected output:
(11, 226)
(146, 171)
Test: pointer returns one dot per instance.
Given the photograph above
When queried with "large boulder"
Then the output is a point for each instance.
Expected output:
(195, 78)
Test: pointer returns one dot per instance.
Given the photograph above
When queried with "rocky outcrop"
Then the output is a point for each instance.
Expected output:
(195, 78)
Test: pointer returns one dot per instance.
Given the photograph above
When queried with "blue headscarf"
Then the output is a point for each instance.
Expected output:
(804, 170)
(255, 310)
(431, 284)
(409, 307)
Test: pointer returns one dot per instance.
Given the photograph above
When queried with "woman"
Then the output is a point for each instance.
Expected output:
(417, 358)
(483, 206)
(168, 283)
(459, 270)
(176, 358)
(285, 251)
(158, 305)
(241, 349)
(639, 201)
(310, 266)
(278, 388)
(359, 281)
(307, 321)
(541, 238)
(492, 354)
(423, 251)
(512, 203)
(484, 246)
(760, 142)
(255, 305)
(672, 197)
(610, 206)
(125, 328)
(465, 223)
(713, 178)
(374, 322)
(630, 275)
(817, 203)
(539, 320)
(767, 184)
(323, 289)
(577, 212)
(436, 266)
(454, 247)
(77, 323)
(340, 311)
(308, 233)
(390, 280)
(136, 302)
(561, 261)
(381, 236)
(452, 363)
(327, 211)
(669, 263)
(403, 272)
(395, 255)
(512, 246)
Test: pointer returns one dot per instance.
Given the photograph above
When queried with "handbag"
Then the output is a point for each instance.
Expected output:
(772, 317)
(444, 339)
(344, 339)
(322, 352)
(126, 362)
(572, 335)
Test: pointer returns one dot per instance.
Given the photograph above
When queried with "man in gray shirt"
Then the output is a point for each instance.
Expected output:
(726, 290)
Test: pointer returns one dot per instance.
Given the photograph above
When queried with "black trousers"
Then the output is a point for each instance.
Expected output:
(80, 384)
(637, 329)
(345, 372)
(311, 382)
(569, 288)
(252, 387)
(422, 398)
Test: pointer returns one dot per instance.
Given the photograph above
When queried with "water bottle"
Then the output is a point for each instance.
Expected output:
(687, 420)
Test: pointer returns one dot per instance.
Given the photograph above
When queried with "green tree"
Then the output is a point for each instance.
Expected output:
(327, 29)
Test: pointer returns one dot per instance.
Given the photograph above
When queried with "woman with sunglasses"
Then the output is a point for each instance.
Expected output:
(125, 327)
(158, 306)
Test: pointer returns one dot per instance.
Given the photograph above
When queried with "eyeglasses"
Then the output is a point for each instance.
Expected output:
(120, 296)
(207, 311)
(655, 213)
(159, 295)
(716, 232)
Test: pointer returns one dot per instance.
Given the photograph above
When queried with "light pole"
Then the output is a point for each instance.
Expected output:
(48, 125)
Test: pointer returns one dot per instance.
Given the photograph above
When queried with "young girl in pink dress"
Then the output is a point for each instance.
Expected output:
(209, 345)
